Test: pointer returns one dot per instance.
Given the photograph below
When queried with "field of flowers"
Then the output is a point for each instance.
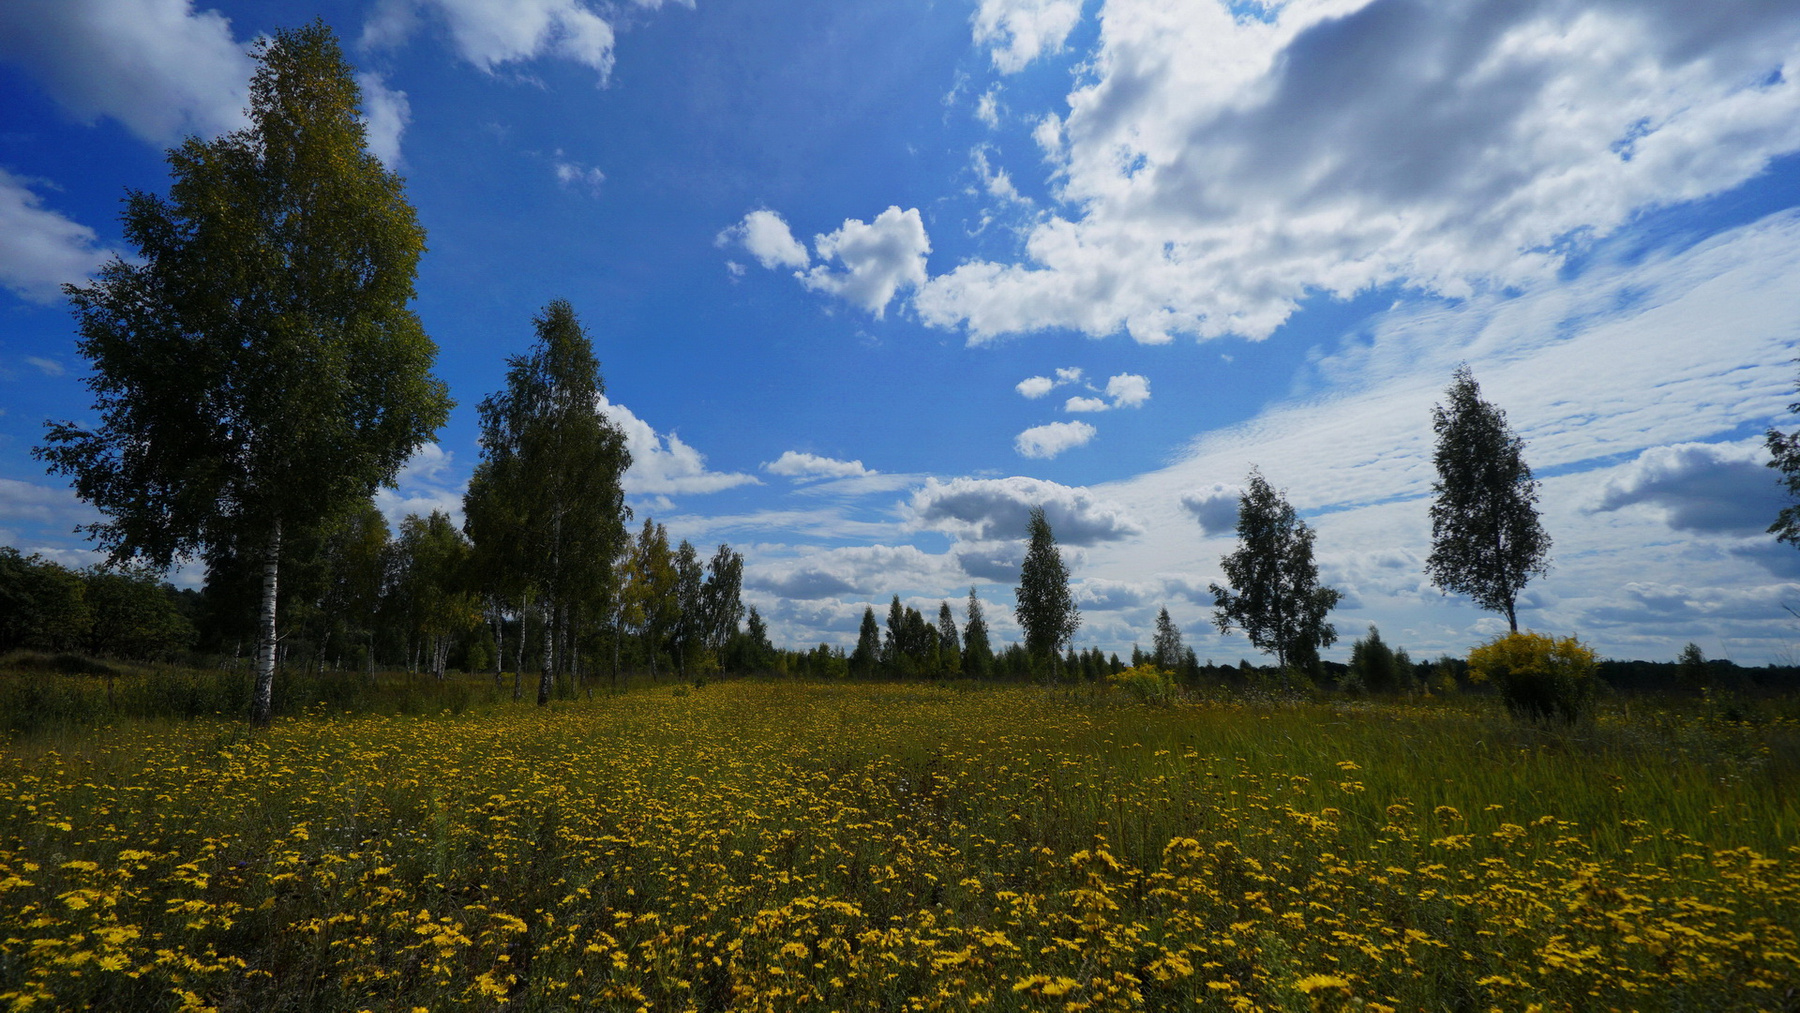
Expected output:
(779, 846)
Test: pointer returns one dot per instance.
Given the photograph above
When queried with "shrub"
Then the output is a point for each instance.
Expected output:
(1539, 677)
(1146, 682)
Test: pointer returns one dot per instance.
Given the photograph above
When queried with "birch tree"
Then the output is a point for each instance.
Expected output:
(255, 366)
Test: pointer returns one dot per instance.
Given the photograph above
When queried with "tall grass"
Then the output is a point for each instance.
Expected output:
(781, 846)
(40, 693)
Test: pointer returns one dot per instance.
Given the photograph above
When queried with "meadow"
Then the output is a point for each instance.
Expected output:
(768, 845)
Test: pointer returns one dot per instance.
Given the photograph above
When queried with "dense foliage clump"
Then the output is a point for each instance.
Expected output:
(1539, 677)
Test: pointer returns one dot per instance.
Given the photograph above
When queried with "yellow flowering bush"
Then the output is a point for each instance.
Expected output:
(1539, 677)
(1146, 682)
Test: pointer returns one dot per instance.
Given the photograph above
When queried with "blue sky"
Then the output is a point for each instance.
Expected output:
(868, 280)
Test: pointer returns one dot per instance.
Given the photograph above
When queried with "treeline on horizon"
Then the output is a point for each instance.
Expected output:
(350, 609)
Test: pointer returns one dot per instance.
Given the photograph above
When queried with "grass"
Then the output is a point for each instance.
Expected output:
(781, 846)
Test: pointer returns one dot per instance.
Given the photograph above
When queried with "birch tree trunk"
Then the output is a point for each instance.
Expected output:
(499, 644)
(547, 670)
(262, 698)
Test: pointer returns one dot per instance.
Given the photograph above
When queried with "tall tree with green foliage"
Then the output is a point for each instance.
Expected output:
(977, 650)
(135, 615)
(43, 604)
(546, 505)
(255, 365)
(1167, 648)
(688, 632)
(949, 642)
(649, 595)
(1274, 594)
(868, 645)
(721, 597)
(891, 645)
(431, 563)
(1046, 609)
(1486, 541)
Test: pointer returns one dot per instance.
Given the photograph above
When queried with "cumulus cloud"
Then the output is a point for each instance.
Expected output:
(796, 465)
(1098, 594)
(157, 66)
(493, 33)
(1019, 31)
(41, 250)
(664, 465)
(386, 114)
(1037, 386)
(765, 235)
(993, 509)
(879, 258)
(861, 569)
(1048, 440)
(1128, 390)
(428, 481)
(1720, 488)
(1216, 508)
(1217, 169)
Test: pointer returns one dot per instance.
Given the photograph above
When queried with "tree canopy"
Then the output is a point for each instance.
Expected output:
(546, 505)
(1274, 594)
(1046, 609)
(1486, 541)
(256, 364)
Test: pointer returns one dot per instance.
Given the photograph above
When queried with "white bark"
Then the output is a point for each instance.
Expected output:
(263, 697)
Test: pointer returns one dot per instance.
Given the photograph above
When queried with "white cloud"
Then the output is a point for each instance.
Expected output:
(573, 175)
(1216, 169)
(386, 114)
(43, 504)
(987, 107)
(996, 181)
(1701, 487)
(1215, 507)
(1664, 362)
(493, 33)
(1019, 31)
(1035, 387)
(797, 465)
(765, 235)
(1128, 390)
(879, 257)
(994, 509)
(851, 570)
(1048, 440)
(41, 250)
(428, 481)
(156, 66)
(48, 367)
(664, 465)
